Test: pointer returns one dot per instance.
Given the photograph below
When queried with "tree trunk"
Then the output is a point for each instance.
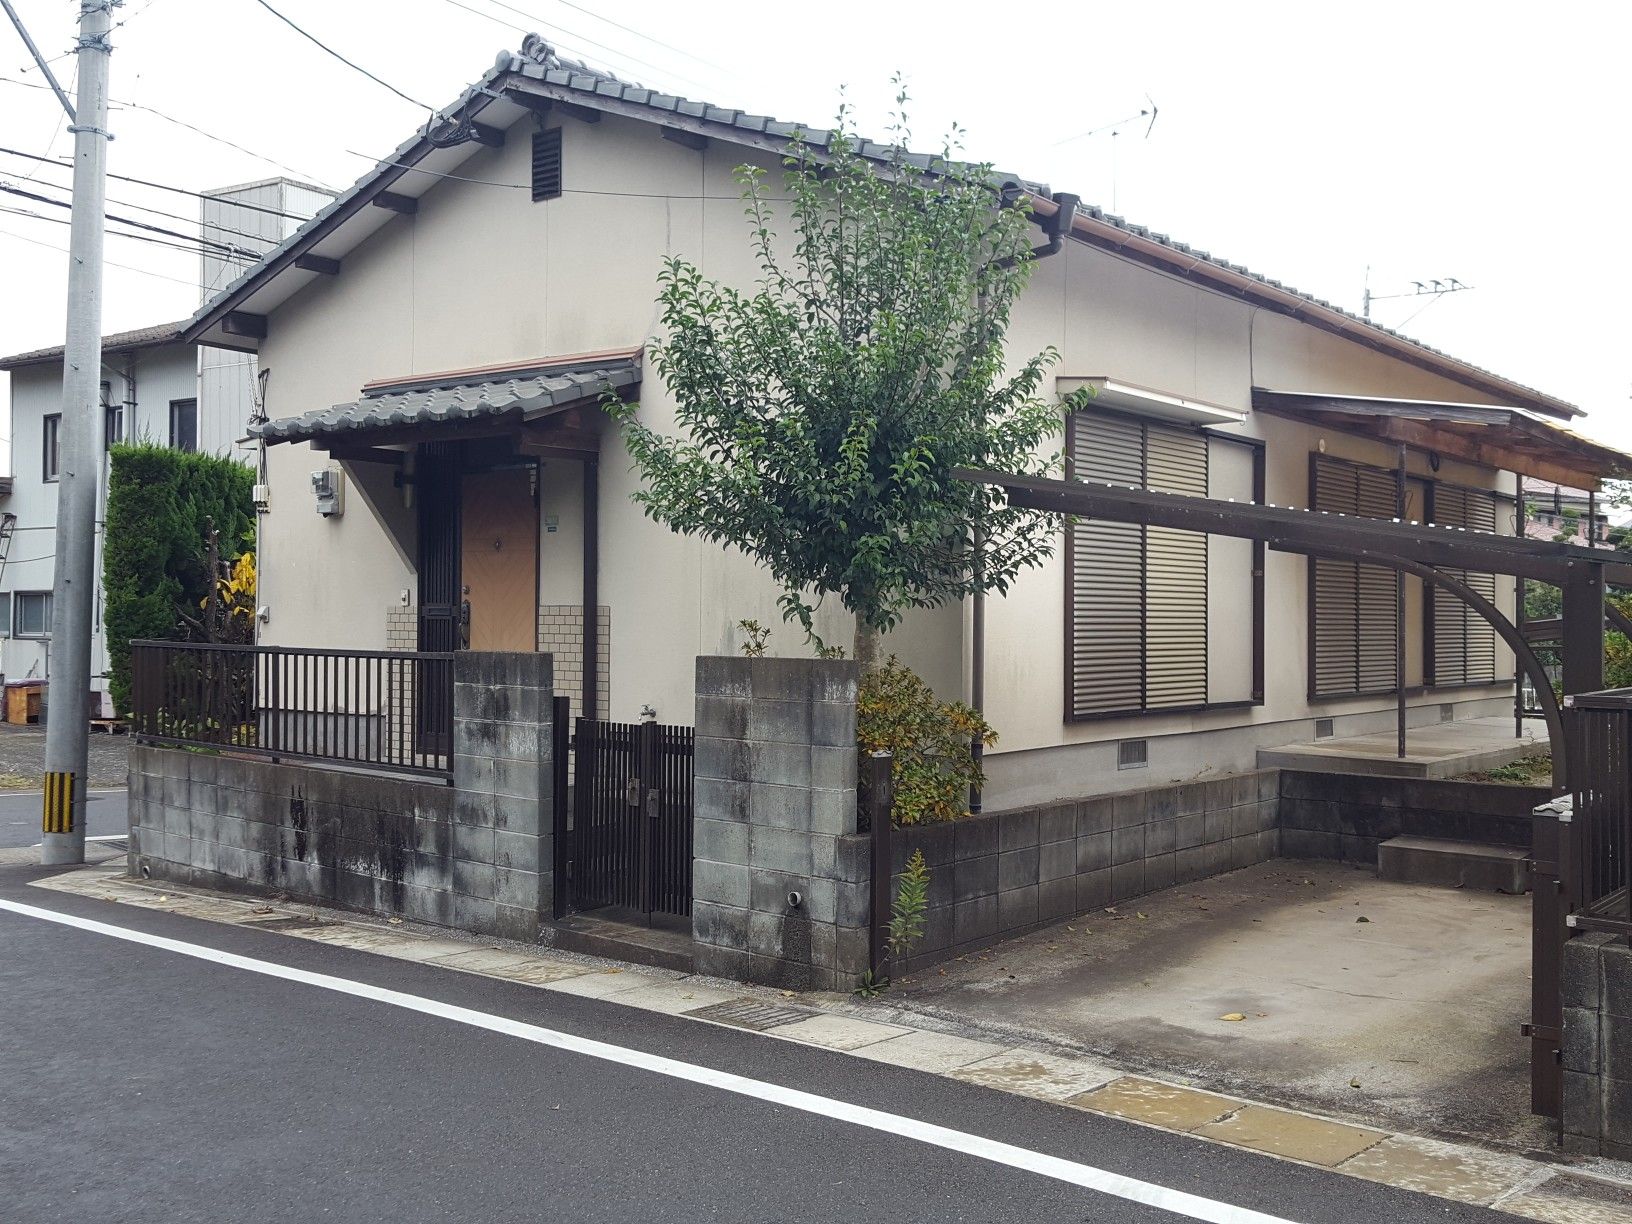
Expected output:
(867, 645)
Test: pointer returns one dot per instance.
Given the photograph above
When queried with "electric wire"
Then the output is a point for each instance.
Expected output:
(125, 178)
(194, 128)
(135, 224)
(189, 247)
(213, 226)
(52, 246)
(321, 45)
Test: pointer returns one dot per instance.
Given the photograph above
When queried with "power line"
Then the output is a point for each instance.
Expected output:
(213, 226)
(197, 195)
(144, 225)
(51, 246)
(162, 242)
(317, 42)
(627, 30)
(558, 31)
(182, 123)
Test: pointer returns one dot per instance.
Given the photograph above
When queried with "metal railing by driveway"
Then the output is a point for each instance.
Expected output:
(1597, 839)
(389, 710)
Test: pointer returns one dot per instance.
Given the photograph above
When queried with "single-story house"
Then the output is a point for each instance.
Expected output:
(438, 338)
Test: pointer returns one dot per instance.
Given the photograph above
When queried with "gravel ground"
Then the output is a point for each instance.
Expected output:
(22, 757)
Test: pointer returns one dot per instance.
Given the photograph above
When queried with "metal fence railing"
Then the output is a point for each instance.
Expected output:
(372, 709)
(1598, 836)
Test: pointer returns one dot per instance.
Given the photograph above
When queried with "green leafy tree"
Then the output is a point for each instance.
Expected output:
(821, 413)
(163, 506)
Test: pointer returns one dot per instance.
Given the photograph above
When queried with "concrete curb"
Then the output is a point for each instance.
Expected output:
(1526, 1187)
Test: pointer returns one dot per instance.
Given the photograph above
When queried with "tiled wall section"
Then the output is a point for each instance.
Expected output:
(1598, 1047)
(1346, 816)
(998, 875)
(561, 634)
(401, 628)
(780, 878)
(476, 855)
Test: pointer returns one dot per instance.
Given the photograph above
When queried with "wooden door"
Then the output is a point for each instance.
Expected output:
(499, 558)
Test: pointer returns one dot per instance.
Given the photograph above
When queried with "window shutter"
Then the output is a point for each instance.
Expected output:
(1355, 616)
(1464, 643)
(547, 164)
(1175, 577)
(1107, 576)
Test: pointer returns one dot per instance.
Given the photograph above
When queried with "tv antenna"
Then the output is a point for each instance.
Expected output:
(1147, 113)
(1432, 288)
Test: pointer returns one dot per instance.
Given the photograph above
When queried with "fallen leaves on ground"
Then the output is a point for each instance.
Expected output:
(1233, 1017)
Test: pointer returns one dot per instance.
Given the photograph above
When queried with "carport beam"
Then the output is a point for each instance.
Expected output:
(1583, 628)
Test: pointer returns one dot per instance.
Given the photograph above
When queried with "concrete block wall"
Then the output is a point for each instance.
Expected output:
(476, 855)
(1001, 874)
(1346, 816)
(780, 878)
(1597, 1046)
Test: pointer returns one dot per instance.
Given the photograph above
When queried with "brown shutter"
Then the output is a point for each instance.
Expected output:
(1464, 643)
(1107, 576)
(1175, 576)
(1355, 618)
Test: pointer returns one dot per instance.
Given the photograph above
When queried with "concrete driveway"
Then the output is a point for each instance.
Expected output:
(1309, 983)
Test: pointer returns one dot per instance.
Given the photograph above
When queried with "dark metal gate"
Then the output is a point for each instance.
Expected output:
(632, 809)
(437, 488)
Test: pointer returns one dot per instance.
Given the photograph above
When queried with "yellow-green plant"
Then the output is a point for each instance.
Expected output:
(930, 740)
(911, 902)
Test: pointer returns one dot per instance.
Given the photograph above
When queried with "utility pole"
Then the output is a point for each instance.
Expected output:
(68, 714)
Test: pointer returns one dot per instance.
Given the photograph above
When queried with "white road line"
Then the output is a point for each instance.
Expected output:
(1179, 1202)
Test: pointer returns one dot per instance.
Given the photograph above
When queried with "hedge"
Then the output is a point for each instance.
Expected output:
(160, 502)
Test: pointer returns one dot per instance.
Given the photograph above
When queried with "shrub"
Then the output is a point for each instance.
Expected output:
(155, 572)
(931, 742)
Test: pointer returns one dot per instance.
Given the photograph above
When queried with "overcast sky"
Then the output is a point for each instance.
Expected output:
(1482, 141)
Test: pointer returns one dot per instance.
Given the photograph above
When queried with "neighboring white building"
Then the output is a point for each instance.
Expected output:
(156, 387)
(439, 337)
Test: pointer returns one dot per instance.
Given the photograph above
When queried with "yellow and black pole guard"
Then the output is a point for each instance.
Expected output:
(59, 803)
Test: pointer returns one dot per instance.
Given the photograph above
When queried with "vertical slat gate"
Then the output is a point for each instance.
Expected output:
(632, 811)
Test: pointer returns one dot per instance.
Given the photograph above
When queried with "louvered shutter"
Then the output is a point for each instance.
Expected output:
(1107, 576)
(1355, 615)
(1175, 576)
(1464, 643)
(547, 164)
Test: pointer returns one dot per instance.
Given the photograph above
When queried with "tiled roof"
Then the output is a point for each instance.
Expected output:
(141, 337)
(533, 389)
(599, 90)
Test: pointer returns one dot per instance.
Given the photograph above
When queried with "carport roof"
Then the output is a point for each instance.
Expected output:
(1501, 436)
(527, 391)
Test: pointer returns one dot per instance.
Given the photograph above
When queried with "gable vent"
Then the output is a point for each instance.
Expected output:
(547, 164)
(1132, 754)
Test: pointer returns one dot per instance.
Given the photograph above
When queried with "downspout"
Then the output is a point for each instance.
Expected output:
(1055, 227)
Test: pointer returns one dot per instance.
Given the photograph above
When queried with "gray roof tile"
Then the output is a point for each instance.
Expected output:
(460, 397)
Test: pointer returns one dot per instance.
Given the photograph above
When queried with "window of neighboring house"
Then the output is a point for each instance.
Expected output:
(32, 614)
(51, 446)
(184, 424)
(1140, 615)
(1462, 643)
(5, 616)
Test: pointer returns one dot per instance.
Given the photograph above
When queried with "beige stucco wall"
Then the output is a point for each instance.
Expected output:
(482, 275)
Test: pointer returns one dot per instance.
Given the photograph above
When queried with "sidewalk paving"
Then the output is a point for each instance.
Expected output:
(1534, 1188)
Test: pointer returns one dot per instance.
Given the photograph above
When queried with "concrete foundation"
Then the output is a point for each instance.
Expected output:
(476, 855)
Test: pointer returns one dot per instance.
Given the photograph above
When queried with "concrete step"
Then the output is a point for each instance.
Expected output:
(1458, 864)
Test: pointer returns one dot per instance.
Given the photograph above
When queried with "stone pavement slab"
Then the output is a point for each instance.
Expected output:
(673, 998)
(1441, 1169)
(1166, 1105)
(839, 1032)
(601, 985)
(924, 1051)
(1280, 1132)
(1037, 1073)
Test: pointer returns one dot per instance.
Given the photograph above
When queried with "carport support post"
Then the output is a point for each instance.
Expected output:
(1583, 626)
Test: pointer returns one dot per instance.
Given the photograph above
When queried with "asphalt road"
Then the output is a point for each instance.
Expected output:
(20, 816)
(145, 1084)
